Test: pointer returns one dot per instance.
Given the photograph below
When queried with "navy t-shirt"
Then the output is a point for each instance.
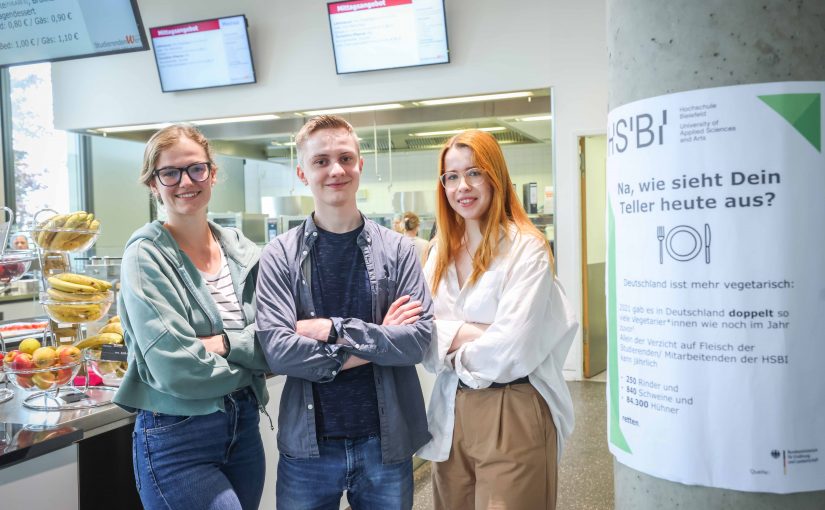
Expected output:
(347, 406)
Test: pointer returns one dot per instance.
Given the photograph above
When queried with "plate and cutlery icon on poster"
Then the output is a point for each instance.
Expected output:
(683, 243)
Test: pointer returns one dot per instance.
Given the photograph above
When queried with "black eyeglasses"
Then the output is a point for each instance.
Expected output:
(171, 176)
(451, 180)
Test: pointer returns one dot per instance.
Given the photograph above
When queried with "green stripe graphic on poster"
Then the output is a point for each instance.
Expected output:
(716, 287)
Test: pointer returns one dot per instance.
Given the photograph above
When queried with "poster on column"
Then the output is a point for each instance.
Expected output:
(716, 287)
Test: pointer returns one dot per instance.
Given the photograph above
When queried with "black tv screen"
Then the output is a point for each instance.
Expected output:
(66, 29)
(368, 35)
(203, 54)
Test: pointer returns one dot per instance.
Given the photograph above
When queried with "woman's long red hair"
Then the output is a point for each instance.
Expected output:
(505, 208)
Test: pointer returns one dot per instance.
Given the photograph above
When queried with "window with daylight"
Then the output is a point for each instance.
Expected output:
(45, 159)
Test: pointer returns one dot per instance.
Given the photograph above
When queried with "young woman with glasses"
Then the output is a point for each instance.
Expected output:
(500, 409)
(196, 373)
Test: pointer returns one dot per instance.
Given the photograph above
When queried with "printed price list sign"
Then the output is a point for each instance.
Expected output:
(43, 30)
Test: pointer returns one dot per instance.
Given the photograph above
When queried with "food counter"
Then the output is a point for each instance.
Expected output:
(82, 459)
(44, 454)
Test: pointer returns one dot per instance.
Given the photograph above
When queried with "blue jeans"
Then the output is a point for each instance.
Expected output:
(215, 461)
(352, 465)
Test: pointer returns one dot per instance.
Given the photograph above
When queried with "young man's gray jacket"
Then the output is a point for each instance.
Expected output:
(284, 297)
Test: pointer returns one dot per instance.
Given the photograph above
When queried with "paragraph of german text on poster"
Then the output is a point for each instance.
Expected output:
(716, 287)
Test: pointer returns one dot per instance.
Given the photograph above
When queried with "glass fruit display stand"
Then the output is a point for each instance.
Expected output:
(13, 265)
(68, 299)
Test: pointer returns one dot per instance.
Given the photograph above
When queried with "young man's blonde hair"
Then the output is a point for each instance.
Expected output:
(322, 122)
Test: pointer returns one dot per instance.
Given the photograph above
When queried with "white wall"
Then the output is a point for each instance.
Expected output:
(495, 46)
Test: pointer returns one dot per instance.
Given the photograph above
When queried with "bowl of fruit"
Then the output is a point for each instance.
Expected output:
(70, 232)
(110, 371)
(76, 298)
(105, 353)
(45, 368)
(13, 264)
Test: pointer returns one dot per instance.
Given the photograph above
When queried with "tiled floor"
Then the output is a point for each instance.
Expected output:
(586, 470)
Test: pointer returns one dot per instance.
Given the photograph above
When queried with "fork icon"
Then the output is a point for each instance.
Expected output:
(660, 235)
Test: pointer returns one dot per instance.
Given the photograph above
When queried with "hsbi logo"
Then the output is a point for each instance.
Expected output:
(637, 132)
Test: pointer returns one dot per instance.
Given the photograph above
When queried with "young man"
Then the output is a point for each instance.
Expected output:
(345, 313)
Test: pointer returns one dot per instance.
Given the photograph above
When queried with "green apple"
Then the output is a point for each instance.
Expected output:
(29, 345)
(44, 357)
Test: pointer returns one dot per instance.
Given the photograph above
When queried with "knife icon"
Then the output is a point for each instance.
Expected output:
(707, 243)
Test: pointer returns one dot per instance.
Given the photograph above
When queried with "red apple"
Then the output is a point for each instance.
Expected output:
(10, 356)
(62, 375)
(22, 361)
(24, 380)
(67, 354)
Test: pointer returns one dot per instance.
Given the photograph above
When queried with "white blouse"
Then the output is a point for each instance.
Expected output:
(532, 326)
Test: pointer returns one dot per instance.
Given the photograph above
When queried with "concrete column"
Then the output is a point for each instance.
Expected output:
(657, 47)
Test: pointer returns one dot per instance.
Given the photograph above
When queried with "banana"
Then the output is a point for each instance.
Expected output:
(82, 279)
(76, 242)
(74, 313)
(75, 219)
(115, 318)
(46, 234)
(112, 327)
(74, 317)
(60, 295)
(60, 232)
(69, 307)
(89, 220)
(73, 222)
(66, 286)
(99, 339)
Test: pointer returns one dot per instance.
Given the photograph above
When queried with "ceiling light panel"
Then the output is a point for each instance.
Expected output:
(136, 127)
(457, 131)
(227, 120)
(353, 109)
(534, 118)
(474, 99)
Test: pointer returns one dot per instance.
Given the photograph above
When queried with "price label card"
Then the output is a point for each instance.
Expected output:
(111, 352)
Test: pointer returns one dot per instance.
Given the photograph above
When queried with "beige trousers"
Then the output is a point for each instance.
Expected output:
(503, 455)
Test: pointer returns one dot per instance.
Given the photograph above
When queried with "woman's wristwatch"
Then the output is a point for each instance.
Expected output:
(225, 343)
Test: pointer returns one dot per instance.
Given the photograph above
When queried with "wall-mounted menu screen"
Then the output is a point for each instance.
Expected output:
(368, 35)
(47, 31)
(203, 54)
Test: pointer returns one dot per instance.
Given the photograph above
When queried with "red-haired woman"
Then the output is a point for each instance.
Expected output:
(500, 409)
